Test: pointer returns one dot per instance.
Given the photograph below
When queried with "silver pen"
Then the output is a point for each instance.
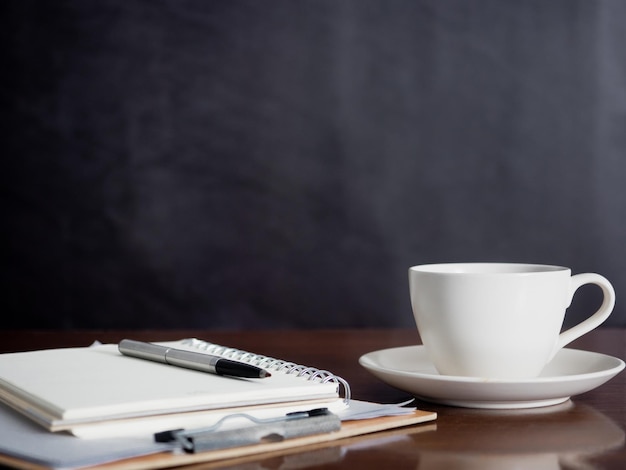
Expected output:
(190, 359)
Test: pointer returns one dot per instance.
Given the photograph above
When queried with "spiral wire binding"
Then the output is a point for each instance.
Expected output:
(270, 363)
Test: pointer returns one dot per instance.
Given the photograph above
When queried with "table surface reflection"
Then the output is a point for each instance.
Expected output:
(587, 431)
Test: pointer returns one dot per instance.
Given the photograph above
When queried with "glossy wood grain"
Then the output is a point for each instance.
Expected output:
(586, 432)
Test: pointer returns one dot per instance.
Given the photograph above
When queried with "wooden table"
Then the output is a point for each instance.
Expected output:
(587, 432)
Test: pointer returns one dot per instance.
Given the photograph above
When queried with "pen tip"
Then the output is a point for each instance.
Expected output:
(264, 374)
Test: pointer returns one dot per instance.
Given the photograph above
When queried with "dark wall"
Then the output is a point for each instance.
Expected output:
(277, 164)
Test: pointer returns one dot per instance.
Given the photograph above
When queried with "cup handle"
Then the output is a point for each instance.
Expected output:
(598, 317)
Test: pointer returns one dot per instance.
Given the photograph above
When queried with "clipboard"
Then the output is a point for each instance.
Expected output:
(124, 454)
(348, 429)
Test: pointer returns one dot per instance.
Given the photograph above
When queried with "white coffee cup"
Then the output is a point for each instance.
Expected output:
(498, 320)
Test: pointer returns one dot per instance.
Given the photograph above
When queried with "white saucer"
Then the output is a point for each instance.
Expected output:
(571, 372)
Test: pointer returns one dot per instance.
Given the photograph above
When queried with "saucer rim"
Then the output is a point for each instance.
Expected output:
(615, 369)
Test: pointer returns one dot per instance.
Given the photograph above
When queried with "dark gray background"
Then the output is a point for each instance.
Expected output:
(248, 164)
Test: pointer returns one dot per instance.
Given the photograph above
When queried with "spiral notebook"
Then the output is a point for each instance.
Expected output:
(96, 391)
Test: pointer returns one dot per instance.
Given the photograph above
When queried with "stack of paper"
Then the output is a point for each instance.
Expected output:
(120, 402)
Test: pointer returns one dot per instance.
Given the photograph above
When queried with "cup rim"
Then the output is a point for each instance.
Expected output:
(487, 268)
